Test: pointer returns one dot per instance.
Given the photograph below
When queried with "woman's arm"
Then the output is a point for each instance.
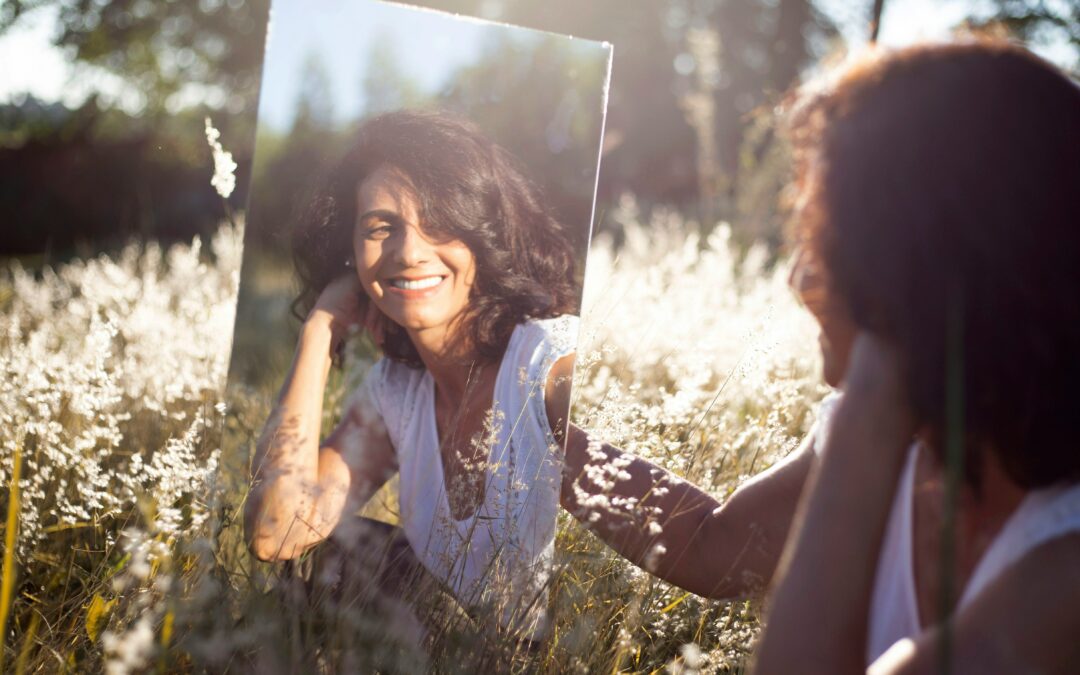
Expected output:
(300, 488)
(817, 621)
(675, 530)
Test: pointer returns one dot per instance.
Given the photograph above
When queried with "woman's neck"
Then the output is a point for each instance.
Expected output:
(450, 362)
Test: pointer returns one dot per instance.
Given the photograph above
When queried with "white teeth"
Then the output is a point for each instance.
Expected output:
(415, 285)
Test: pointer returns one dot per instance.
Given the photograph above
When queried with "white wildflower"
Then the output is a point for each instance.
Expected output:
(691, 660)
(91, 347)
(652, 558)
(224, 180)
(130, 651)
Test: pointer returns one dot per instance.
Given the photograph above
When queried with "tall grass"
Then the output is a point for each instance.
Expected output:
(129, 553)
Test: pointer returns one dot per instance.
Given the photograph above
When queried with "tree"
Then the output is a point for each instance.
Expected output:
(763, 46)
(384, 85)
(1039, 22)
(315, 102)
(163, 47)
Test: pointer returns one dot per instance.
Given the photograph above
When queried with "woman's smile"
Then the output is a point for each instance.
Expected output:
(415, 287)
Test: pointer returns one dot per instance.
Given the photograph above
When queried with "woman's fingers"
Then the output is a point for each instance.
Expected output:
(875, 379)
(875, 365)
(349, 308)
(344, 302)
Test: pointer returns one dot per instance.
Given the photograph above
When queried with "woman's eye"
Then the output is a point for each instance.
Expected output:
(378, 231)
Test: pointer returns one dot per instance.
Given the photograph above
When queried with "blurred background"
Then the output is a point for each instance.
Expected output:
(102, 101)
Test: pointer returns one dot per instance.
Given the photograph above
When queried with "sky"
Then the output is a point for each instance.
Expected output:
(32, 65)
(428, 47)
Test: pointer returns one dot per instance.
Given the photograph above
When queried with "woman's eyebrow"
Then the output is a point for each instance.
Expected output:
(380, 214)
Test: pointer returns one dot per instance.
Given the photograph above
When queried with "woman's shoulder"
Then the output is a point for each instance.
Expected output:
(535, 346)
(558, 334)
(386, 370)
(388, 383)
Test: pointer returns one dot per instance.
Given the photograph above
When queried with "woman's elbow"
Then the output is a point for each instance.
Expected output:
(268, 545)
(265, 540)
(263, 549)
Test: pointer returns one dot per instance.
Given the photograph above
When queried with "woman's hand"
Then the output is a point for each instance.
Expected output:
(874, 391)
(343, 303)
(346, 306)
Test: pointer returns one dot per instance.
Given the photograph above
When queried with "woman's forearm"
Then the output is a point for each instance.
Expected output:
(818, 615)
(678, 532)
(283, 514)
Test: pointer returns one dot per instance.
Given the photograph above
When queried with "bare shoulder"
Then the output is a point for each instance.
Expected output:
(557, 392)
(1026, 620)
(1029, 617)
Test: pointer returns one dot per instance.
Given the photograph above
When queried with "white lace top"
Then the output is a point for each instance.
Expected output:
(500, 558)
(1043, 515)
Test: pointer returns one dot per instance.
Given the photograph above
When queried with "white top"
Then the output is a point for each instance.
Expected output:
(1043, 515)
(500, 558)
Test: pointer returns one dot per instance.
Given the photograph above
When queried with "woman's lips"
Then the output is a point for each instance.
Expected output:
(414, 288)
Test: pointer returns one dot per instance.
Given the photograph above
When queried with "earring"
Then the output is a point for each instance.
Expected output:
(348, 263)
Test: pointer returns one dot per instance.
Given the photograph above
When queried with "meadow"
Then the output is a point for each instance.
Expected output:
(123, 547)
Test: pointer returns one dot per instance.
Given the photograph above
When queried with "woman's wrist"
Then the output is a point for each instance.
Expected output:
(321, 325)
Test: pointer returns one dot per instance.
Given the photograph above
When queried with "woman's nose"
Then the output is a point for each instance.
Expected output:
(413, 249)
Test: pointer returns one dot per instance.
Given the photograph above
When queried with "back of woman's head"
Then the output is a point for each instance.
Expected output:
(940, 186)
(468, 189)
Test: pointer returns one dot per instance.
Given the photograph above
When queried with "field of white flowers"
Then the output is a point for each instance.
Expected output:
(123, 547)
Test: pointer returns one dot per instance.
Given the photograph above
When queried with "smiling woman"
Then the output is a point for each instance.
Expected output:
(413, 182)
(419, 284)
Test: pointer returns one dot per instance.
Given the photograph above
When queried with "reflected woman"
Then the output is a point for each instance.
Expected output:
(431, 238)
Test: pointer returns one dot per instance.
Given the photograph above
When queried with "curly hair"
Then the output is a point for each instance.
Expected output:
(468, 189)
(939, 186)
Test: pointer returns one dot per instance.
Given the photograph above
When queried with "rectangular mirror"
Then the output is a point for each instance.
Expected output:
(420, 210)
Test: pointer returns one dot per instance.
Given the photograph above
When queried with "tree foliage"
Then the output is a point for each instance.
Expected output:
(187, 57)
(162, 47)
(1043, 22)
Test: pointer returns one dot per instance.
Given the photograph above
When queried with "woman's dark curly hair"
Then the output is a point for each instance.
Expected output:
(941, 183)
(468, 189)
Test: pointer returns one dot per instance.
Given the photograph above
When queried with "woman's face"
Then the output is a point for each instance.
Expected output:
(418, 281)
(837, 328)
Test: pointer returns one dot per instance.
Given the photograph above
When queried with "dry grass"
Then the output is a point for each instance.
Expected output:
(129, 553)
